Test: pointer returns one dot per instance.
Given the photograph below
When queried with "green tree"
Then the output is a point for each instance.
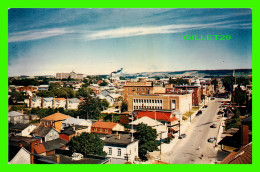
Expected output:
(228, 83)
(147, 140)
(215, 83)
(90, 107)
(84, 92)
(104, 83)
(124, 106)
(122, 78)
(240, 96)
(104, 103)
(87, 144)
(54, 86)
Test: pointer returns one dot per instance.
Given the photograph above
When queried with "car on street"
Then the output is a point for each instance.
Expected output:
(214, 125)
(199, 113)
(205, 106)
(220, 112)
(212, 139)
(212, 98)
(182, 136)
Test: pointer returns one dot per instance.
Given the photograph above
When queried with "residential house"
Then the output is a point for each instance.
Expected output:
(162, 130)
(68, 132)
(43, 87)
(242, 156)
(121, 148)
(165, 117)
(76, 121)
(17, 117)
(55, 120)
(52, 145)
(45, 133)
(73, 103)
(106, 127)
(21, 156)
(21, 129)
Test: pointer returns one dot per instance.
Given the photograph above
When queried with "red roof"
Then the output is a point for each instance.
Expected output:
(39, 148)
(243, 156)
(107, 125)
(158, 115)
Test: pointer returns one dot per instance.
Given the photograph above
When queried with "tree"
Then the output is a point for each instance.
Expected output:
(103, 83)
(104, 103)
(124, 106)
(215, 83)
(147, 140)
(87, 144)
(16, 97)
(84, 92)
(122, 78)
(240, 95)
(54, 86)
(228, 83)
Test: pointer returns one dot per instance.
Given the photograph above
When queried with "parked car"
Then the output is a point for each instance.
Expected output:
(182, 136)
(212, 98)
(214, 125)
(220, 112)
(212, 139)
(199, 113)
(205, 106)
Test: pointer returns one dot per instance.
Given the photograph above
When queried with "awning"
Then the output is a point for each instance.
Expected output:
(175, 128)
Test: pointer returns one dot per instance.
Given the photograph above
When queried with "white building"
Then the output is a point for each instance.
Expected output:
(76, 121)
(22, 129)
(43, 87)
(162, 131)
(17, 117)
(121, 147)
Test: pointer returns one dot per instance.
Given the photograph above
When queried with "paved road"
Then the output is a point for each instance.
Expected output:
(187, 151)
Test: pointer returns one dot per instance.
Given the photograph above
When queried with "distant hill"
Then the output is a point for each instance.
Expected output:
(200, 73)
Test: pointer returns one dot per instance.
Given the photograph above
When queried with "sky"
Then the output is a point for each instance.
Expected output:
(99, 41)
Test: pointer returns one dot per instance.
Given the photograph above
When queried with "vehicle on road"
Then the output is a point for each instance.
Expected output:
(212, 139)
(212, 98)
(214, 125)
(220, 112)
(199, 113)
(205, 106)
(182, 136)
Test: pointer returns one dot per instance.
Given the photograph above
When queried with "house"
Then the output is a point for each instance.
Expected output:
(21, 129)
(52, 145)
(66, 157)
(121, 148)
(55, 120)
(165, 117)
(76, 121)
(106, 127)
(17, 117)
(162, 130)
(47, 102)
(31, 144)
(21, 156)
(43, 87)
(68, 132)
(242, 156)
(59, 103)
(45, 133)
(73, 103)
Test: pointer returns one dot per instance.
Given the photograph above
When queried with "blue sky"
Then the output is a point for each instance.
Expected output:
(99, 41)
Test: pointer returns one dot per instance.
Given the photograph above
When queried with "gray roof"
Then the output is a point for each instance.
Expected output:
(112, 140)
(48, 99)
(41, 131)
(19, 126)
(14, 113)
(69, 130)
(74, 100)
(74, 121)
(54, 144)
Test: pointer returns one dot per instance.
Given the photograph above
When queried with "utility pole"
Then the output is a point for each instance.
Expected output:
(189, 112)
(179, 127)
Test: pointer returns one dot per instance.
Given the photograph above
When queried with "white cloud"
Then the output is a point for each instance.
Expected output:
(36, 34)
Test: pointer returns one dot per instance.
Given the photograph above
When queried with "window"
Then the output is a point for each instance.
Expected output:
(118, 152)
(109, 151)
(95, 129)
(100, 130)
(106, 130)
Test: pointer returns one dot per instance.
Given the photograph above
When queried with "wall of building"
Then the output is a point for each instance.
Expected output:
(52, 135)
(131, 150)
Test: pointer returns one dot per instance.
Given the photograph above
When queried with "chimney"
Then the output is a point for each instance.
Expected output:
(117, 133)
(20, 145)
(42, 101)
(118, 136)
(30, 102)
(57, 158)
(74, 128)
(244, 135)
(22, 111)
(32, 152)
(77, 117)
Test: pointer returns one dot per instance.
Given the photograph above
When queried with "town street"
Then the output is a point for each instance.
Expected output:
(195, 148)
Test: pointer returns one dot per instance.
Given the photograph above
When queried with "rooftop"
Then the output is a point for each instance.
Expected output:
(56, 117)
(118, 140)
(101, 124)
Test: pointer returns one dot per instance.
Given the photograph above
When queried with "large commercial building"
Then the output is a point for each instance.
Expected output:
(72, 75)
(141, 88)
(180, 102)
